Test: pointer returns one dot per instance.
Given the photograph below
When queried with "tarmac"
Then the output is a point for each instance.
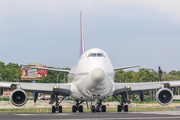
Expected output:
(164, 115)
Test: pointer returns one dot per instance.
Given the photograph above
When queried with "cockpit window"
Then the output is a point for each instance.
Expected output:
(96, 55)
(93, 54)
(100, 55)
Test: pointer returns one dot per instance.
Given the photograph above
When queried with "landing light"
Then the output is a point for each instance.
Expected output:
(128, 86)
(55, 87)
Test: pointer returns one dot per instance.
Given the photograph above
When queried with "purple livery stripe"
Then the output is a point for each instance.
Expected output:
(82, 48)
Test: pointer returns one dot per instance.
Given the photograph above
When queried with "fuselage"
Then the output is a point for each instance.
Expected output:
(92, 76)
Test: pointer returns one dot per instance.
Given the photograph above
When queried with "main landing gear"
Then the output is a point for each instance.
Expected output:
(57, 107)
(122, 105)
(98, 107)
(77, 107)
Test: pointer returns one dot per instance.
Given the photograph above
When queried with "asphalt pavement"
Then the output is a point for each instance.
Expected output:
(164, 115)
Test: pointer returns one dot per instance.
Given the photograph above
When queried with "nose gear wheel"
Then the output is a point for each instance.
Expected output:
(77, 107)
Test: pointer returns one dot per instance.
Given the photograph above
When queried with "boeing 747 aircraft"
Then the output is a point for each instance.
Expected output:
(92, 78)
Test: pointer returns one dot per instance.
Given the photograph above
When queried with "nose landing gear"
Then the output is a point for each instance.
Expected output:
(77, 107)
(98, 107)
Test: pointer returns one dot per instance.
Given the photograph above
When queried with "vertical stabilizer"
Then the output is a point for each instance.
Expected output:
(82, 44)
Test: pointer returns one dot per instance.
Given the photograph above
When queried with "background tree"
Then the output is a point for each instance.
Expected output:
(11, 71)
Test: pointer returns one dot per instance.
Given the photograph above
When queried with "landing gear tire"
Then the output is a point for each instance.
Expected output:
(119, 108)
(126, 108)
(81, 108)
(98, 108)
(74, 108)
(103, 108)
(53, 109)
(60, 109)
(93, 109)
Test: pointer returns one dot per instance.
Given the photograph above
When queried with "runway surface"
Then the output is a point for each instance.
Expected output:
(164, 115)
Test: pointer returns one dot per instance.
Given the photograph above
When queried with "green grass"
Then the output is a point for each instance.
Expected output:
(48, 110)
(152, 102)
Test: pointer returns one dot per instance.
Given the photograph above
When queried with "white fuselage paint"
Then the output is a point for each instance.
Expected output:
(85, 83)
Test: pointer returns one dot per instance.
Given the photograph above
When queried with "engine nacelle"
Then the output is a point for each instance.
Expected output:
(164, 96)
(18, 97)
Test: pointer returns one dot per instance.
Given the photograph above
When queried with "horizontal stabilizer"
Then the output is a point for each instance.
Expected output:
(50, 69)
(126, 67)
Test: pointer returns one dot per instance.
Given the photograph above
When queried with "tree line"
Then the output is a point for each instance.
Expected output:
(145, 75)
(11, 73)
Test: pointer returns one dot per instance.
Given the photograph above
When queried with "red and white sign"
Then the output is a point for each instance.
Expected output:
(33, 74)
(6, 93)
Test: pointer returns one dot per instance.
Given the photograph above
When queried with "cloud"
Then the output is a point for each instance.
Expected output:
(169, 7)
(63, 7)
(53, 23)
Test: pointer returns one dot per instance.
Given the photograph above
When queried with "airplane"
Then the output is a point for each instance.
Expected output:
(92, 78)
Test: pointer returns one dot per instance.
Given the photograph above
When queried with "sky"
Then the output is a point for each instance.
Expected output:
(131, 32)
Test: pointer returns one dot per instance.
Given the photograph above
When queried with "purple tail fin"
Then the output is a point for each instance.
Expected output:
(82, 44)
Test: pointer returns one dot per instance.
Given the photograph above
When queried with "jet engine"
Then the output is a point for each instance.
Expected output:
(18, 97)
(164, 96)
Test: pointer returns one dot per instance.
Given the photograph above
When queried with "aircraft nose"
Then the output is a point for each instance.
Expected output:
(98, 75)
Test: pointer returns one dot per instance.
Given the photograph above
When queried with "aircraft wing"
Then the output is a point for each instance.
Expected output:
(50, 69)
(126, 67)
(144, 86)
(46, 88)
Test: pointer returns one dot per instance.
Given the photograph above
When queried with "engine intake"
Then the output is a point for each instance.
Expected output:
(18, 97)
(164, 96)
